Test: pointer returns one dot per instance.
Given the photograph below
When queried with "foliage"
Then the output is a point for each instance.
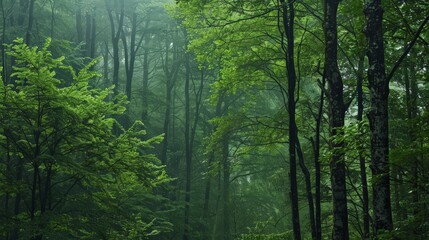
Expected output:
(68, 174)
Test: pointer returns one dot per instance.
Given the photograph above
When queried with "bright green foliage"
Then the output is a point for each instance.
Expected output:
(64, 174)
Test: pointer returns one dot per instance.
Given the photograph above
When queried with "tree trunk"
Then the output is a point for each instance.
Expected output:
(336, 122)
(309, 195)
(30, 22)
(188, 146)
(210, 164)
(225, 192)
(362, 164)
(316, 150)
(288, 14)
(79, 30)
(145, 90)
(171, 74)
(115, 36)
(378, 117)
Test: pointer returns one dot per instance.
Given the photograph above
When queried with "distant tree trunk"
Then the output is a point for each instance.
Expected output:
(4, 72)
(225, 192)
(90, 40)
(145, 90)
(23, 12)
(412, 113)
(210, 164)
(336, 122)
(362, 164)
(30, 22)
(378, 116)
(288, 15)
(106, 64)
(115, 37)
(93, 50)
(88, 35)
(171, 75)
(52, 3)
(130, 54)
(316, 150)
(188, 145)
(79, 29)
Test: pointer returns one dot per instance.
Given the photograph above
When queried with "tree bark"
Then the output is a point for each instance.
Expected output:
(378, 117)
(336, 122)
(288, 15)
(309, 194)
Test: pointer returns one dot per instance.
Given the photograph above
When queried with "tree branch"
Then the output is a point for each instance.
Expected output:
(407, 49)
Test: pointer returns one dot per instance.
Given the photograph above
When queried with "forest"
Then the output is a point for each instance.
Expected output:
(214, 119)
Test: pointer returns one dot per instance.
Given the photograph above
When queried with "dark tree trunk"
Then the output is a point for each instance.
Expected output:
(309, 194)
(336, 122)
(378, 117)
(4, 72)
(115, 37)
(288, 14)
(130, 54)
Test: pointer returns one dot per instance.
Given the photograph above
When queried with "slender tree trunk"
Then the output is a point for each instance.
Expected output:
(288, 15)
(30, 22)
(79, 30)
(145, 91)
(362, 164)
(115, 37)
(316, 150)
(378, 117)
(92, 52)
(188, 146)
(4, 72)
(225, 192)
(171, 68)
(336, 122)
(88, 35)
(106, 64)
(130, 54)
(413, 113)
(52, 18)
(210, 164)
(309, 194)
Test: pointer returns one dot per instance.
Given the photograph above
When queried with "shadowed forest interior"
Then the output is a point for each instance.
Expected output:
(214, 119)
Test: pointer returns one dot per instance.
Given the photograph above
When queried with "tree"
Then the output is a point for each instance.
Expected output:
(77, 177)
(336, 121)
(288, 17)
